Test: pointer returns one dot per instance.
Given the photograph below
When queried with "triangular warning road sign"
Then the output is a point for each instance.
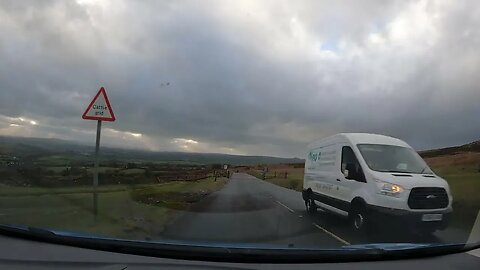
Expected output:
(99, 108)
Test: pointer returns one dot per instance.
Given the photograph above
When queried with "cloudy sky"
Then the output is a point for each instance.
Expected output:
(244, 77)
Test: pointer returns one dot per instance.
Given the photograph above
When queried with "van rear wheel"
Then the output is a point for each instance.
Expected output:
(310, 206)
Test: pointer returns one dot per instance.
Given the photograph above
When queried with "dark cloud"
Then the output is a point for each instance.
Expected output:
(252, 77)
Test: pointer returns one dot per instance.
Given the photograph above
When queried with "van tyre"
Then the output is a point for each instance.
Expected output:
(310, 206)
(359, 219)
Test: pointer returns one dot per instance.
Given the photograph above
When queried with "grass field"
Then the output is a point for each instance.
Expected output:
(464, 184)
(465, 188)
(293, 181)
(56, 169)
(133, 171)
(60, 169)
(103, 169)
(9, 191)
(123, 212)
(59, 160)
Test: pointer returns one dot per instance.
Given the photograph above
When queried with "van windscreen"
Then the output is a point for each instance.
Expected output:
(392, 158)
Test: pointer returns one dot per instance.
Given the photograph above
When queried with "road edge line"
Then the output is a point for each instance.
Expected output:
(288, 208)
(331, 234)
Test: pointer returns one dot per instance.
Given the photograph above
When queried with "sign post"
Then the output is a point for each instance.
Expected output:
(95, 169)
(99, 109)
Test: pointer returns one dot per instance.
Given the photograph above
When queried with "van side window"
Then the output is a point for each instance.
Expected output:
(348, 157)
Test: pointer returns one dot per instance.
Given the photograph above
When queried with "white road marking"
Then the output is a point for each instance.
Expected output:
(331, 234)
(475, 252)
(288, 208)
(475, 236)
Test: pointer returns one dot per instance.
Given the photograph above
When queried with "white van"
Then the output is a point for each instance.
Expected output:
(369, 178)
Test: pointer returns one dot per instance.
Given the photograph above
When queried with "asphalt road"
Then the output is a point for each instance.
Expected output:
(251, 211)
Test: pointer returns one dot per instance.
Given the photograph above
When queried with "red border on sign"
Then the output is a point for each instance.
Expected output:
(110, 119)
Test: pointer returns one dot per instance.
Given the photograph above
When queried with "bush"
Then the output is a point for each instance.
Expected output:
(217, 166)
(65, 172)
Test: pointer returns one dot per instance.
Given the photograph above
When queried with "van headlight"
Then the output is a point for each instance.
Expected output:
(389, 189)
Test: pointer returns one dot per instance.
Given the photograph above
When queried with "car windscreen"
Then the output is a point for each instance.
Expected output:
(231, 123)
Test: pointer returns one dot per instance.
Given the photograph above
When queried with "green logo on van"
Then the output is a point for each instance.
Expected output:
(314, 156)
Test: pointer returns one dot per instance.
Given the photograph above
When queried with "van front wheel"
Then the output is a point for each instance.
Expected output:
(358, 219)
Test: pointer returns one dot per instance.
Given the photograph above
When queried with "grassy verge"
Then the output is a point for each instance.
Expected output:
(6, 191)
(465, 186)
(124, 211)
(176, 195)
(294, 180)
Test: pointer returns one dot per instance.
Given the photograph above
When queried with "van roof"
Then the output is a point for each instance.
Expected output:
(358, 138)
(364, 138)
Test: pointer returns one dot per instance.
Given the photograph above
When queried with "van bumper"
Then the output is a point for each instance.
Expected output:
(412, 219)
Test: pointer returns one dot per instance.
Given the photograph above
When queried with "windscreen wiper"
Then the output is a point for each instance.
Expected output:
(424, 169)
(395, 171)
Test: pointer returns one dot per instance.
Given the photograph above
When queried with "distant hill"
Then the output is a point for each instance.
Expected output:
(23, 146)
(31, 147)
(469, 147)
(462, 156)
